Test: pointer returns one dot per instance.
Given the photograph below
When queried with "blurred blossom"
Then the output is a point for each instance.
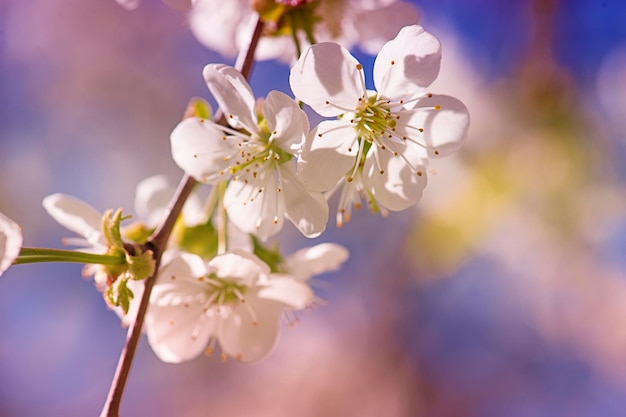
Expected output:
(226, 26)
(611, 89)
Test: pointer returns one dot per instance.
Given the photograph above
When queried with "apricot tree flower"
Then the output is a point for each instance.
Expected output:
(380, 143)
(256, 152)
(234, 300)
(10, 242)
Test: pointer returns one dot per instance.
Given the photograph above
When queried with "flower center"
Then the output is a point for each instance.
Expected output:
(257, 152)
(222, 291)
(373, 118)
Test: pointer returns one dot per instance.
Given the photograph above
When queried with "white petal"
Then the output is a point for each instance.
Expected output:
(273, 47)
(285, 117)
(152, 197)
(177, 333)
(10, 242)
(307, 210)
(378, 25)
(239, 265)
(260, 213)
(399, 187)
(178, 280)
(75, 215)
(287, 290)
(129, 4)
(445, 130)
(251, 338)
(327, 159)
(316, 260)
(177, 327)
(407, 64)
(327, 78)
(199, 149)
(216, 23)
(233, 94)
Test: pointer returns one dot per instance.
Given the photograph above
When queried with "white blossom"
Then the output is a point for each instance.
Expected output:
(151, 200)
(233, 300)
(380, 143)
(84, 220)
(257, 153)
(10, 242)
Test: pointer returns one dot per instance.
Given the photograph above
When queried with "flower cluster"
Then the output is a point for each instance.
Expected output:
(214, 279)
(376, 149)
(195, 274)
(199, 298)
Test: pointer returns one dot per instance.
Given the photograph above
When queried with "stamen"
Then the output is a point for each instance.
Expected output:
(211, 348)
(338, 106)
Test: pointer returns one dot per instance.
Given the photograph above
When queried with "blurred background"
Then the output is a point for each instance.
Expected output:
(502, 294)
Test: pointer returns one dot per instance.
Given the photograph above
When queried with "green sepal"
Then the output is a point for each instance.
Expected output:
(141, 266)
(118, 294)
(137, 232)
(111, 222)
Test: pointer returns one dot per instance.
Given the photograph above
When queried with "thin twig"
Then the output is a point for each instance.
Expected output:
(158, 243)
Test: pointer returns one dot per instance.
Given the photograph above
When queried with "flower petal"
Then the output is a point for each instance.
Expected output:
(378, 25)
(129, 4)
(328, 78)
(445, 130)
(153, 196)
(285, 289)
(408, 64)
(178, 328)
(10, 242)
(177, 333)
(247, 337)
(255, 211)
(399, 187)
(316, 260)
(284, 116)
(326, 159)
(199, 149)
(216, 23)
(233, 94)
(239, 265)
(307, 210)
(75, 215)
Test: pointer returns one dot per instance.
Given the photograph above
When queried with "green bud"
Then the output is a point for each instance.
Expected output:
(198, 107)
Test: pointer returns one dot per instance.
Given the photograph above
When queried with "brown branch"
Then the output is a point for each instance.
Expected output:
(158, 243)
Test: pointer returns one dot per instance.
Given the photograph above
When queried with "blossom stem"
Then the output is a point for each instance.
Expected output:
(157, 244)
(32, 255)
